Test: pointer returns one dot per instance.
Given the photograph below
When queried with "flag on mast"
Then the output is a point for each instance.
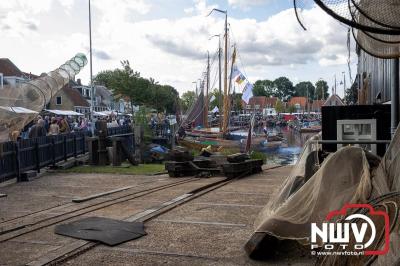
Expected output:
(212, 98)
(247, 92)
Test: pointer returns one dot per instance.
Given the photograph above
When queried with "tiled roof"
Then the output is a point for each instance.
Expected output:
(8, 68)
(302, 101)
(334, 99)
(74, 95)
(262, 101)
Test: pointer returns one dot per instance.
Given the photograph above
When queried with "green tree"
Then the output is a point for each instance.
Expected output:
(215, 102)
(321, 87)
(284, 88)
(305, 89)
(291, 109)
(264, 88)
(128, 84)
(351, 95)
(237, 102)
(279, 107)
(188, 98)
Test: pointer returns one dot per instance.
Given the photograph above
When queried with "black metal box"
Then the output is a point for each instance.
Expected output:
(330, 115)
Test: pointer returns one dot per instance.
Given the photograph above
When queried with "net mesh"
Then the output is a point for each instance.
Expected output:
(34, 95)
(346, 176)
(376, 27)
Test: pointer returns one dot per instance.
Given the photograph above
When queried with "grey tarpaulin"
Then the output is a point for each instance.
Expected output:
(108, 231)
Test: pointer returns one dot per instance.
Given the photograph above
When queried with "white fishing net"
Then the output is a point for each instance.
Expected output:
(346, 176)
(34, 95)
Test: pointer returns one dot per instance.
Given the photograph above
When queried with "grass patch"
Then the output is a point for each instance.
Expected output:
(258, 155)
(127, 169)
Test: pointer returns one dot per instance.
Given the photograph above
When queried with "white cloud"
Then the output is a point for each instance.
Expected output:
(173, 51)
(246, 3)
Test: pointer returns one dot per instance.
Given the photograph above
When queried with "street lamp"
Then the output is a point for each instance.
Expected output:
(91, 60)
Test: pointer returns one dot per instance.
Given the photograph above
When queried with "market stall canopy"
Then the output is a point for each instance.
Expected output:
(18, 110)
(99, 114)
(64, 112)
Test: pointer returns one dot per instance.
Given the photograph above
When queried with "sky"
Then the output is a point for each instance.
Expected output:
(168, 40)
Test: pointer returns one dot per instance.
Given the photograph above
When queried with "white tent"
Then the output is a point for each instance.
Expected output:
(18, 110)
(64, 112)
(99, 114)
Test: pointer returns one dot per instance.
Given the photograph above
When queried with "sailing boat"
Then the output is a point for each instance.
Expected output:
(198, 133)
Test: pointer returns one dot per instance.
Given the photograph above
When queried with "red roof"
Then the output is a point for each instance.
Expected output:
(74, 95)
(302, 101)
(262, 101)
(8, 68)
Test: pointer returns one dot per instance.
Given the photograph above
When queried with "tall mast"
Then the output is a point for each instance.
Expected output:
(207, 88)
(230, 78)
(224, 125)
(226, 96)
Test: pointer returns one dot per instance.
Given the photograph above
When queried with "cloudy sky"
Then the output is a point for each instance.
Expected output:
(169, 39)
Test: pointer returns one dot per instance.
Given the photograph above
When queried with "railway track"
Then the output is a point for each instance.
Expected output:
(78, 247)
(14, 228)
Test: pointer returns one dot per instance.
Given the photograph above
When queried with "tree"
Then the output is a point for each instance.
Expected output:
(128, 84)
(188, 98)
(305, 89)
(321, 90)
(263, 88)
(351, 94)
(237, 102)
(284, 88)
(279, 107)
(215, 102)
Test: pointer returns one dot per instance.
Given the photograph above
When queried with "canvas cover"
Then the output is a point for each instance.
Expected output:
(346, 176)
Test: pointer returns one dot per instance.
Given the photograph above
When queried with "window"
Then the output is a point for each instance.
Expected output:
(58, 100)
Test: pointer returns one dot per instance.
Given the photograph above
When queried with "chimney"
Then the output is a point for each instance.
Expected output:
(79, 82)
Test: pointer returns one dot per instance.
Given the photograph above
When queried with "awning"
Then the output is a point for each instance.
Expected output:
(18, 110)
(64, 112)
(99, 114)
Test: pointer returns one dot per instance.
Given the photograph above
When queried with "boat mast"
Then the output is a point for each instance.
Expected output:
(226, 96)
(205, 122)
(230, 79)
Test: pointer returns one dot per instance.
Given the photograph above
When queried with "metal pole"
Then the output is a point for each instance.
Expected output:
(394, 95)
(91, 68)
(206, 96)
(220, 84)
(226, 96)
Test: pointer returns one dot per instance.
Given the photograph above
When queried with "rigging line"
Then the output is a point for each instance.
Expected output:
(238, 56)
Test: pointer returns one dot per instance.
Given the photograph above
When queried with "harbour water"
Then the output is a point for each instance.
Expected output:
(289, 152)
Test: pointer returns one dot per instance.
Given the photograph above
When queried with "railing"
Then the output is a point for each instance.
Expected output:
(34, 154)
(111, 131)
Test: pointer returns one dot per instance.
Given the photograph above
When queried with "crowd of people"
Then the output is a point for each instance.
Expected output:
(50, 126)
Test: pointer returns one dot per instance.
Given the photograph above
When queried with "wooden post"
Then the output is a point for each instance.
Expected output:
(75, 148)
(17, 162)
(37, 156)
(53, 149)
(139, 145)
(65, 147)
